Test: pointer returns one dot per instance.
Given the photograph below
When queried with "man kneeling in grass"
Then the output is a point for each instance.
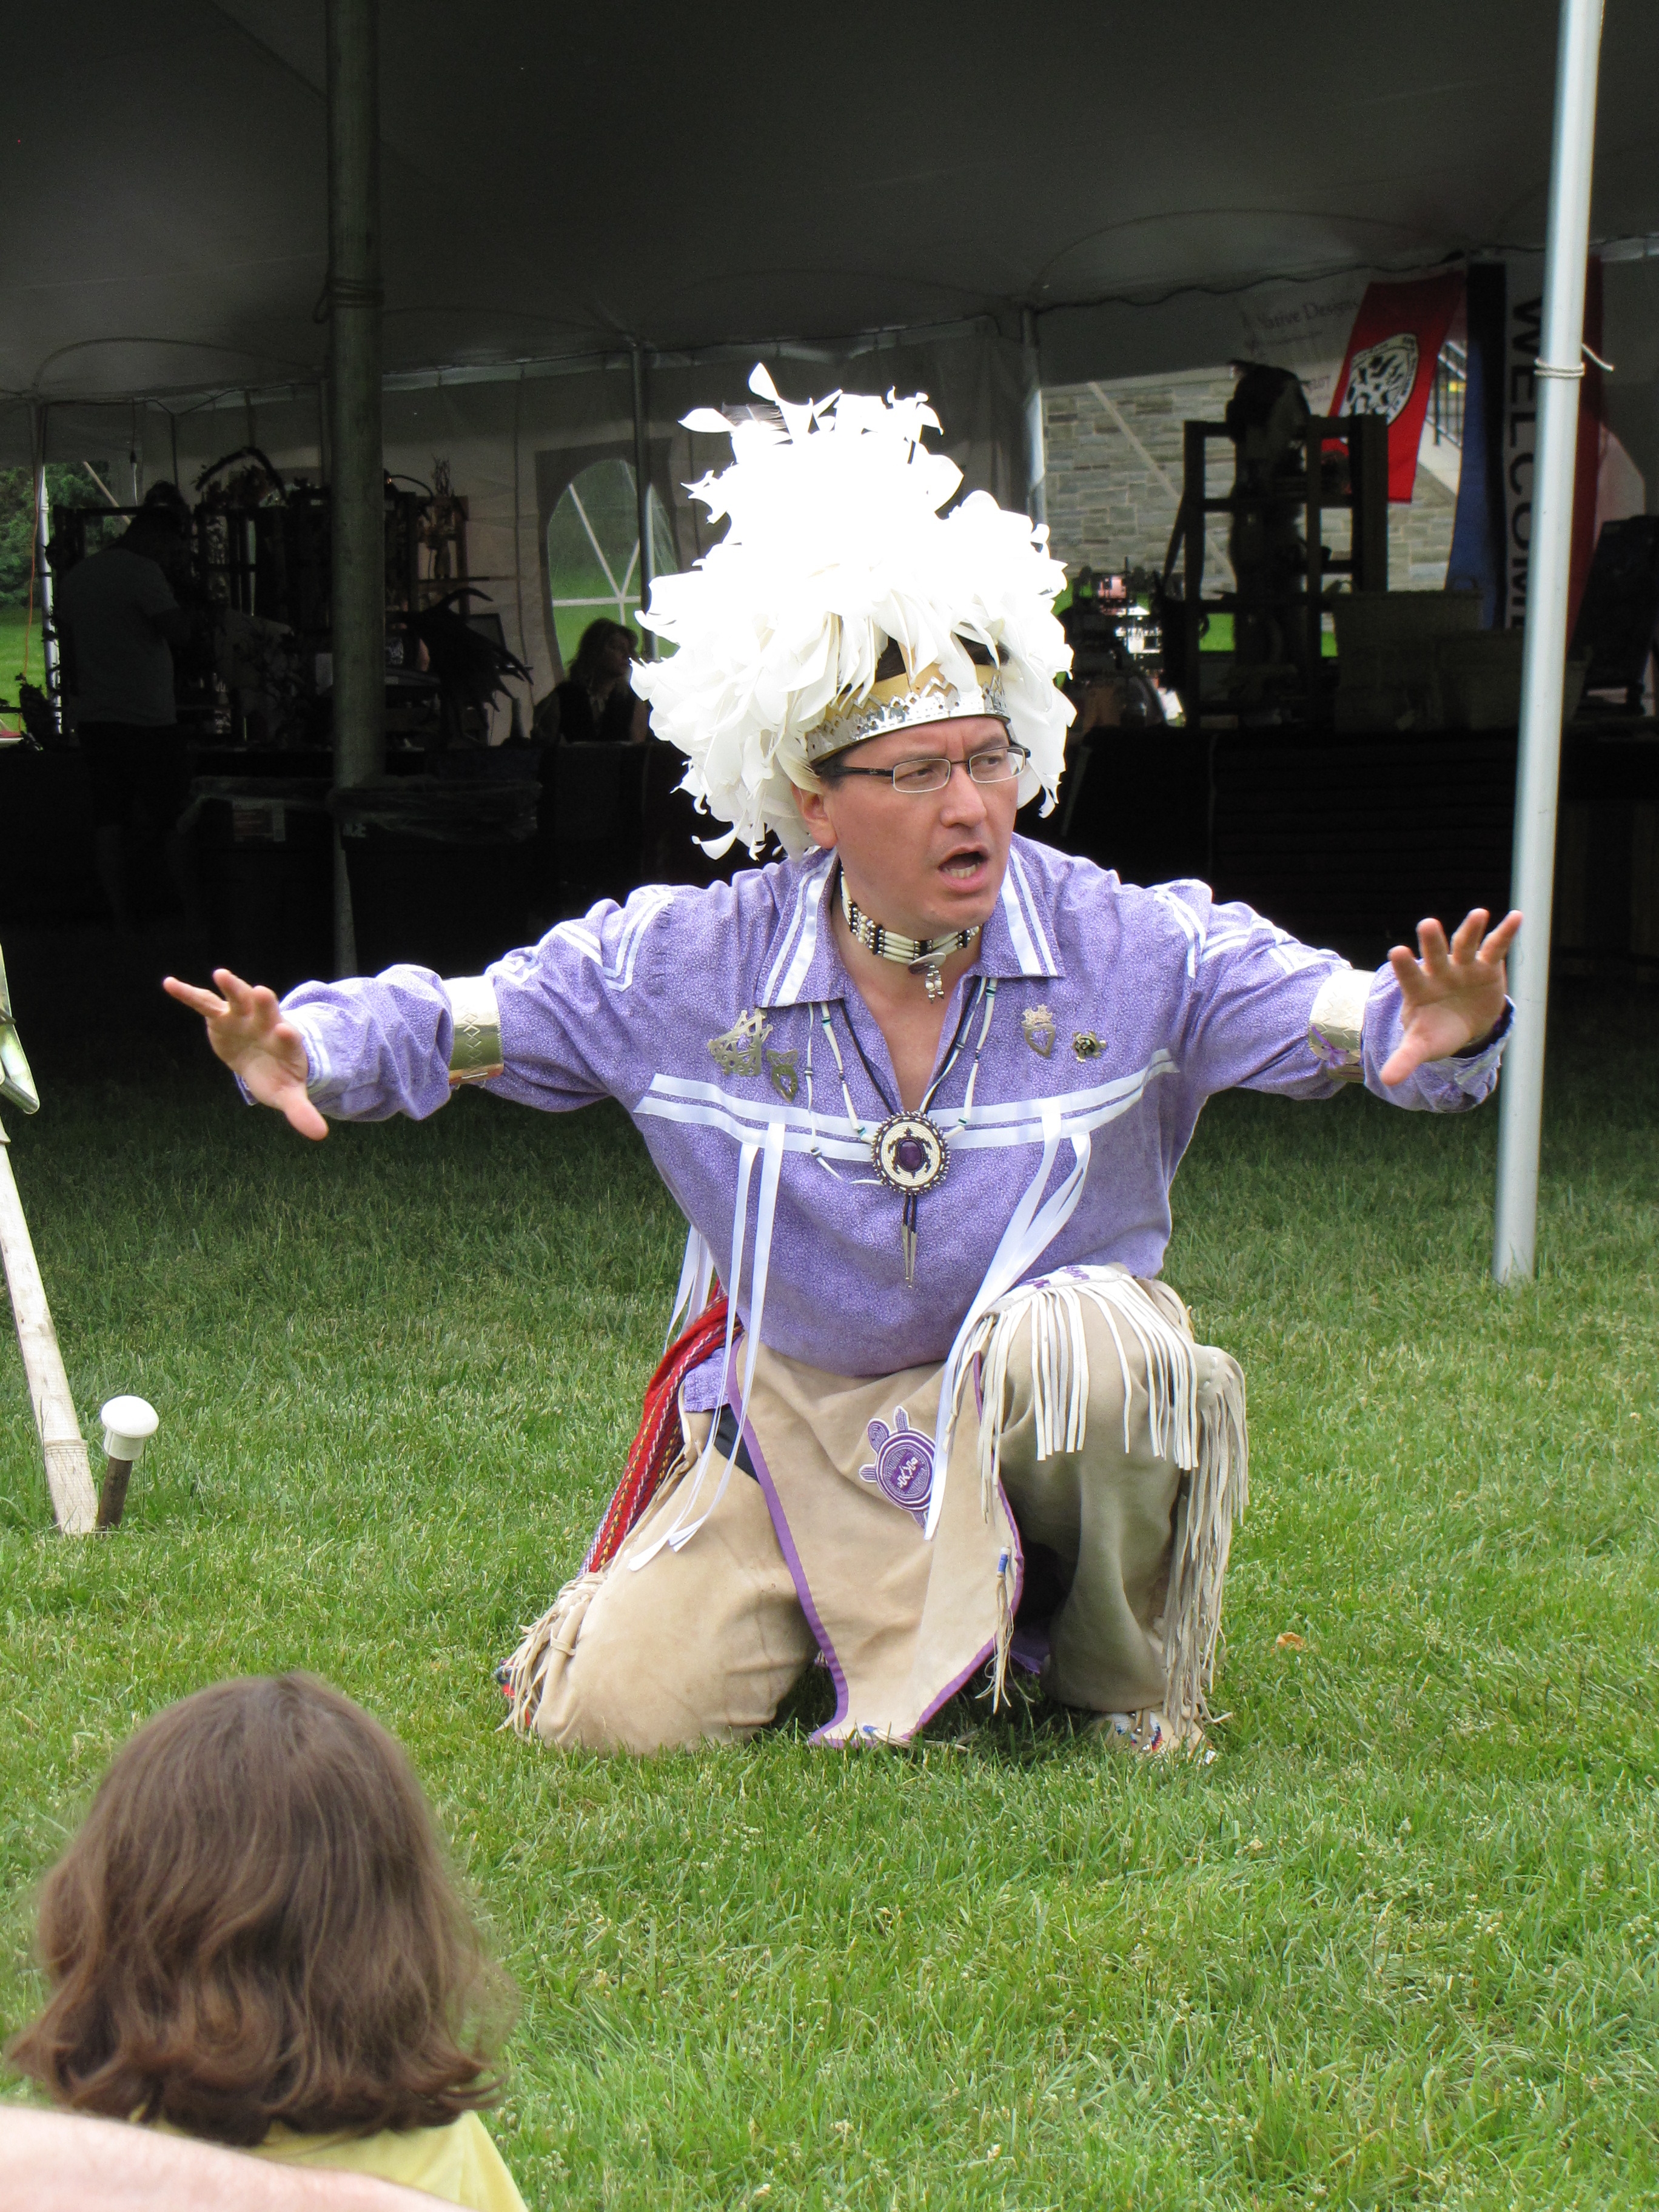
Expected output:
(920, 1088)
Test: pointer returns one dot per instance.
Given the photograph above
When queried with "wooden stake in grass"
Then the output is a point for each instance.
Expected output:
(69, 1477)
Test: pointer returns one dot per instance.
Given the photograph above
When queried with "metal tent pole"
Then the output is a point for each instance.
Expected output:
(643, 491)
(357, 471)
(1560, 369)
(1037, 461)
(46, 596)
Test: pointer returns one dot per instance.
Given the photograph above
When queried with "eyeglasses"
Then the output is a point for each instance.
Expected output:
(996, 764)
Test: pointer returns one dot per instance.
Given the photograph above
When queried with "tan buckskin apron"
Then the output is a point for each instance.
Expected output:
(1119, 1441)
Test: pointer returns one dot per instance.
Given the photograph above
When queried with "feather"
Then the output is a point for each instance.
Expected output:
(835, 544)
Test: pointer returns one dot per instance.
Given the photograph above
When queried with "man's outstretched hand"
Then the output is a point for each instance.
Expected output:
(246, 1029)
(1453, 994)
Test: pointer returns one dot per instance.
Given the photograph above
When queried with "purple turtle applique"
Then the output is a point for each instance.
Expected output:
(903, 1467)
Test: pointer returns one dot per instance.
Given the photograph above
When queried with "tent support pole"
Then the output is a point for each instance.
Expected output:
(49, 682)
(1538, 774)
(357, 471)
(1037, 459)
(642, 490)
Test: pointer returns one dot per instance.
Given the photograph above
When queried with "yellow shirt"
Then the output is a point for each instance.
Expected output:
(458, 2163)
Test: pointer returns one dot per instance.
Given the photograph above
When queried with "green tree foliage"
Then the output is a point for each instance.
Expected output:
(67, 484)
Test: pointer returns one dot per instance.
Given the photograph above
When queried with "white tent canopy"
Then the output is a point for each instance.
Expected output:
(559, 180)
(557, 184)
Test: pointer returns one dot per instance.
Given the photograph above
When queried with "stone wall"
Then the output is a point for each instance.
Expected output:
(1113, 459)
(1113, 456)
(1420, 535)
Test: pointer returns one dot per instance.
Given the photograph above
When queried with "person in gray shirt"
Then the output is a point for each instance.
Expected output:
(119, 622)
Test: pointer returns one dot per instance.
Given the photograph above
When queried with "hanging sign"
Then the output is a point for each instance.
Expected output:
(1388, 368)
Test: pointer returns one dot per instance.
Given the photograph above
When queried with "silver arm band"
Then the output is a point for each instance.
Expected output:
(1336, 1026)
(475, 1048)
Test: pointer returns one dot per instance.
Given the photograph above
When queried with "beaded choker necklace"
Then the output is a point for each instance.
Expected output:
(920, 954)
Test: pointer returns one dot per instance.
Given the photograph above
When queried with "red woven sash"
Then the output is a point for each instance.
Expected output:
(657, 1445)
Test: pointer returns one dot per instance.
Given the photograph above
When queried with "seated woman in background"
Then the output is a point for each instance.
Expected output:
(595, 704)
(254, 1939)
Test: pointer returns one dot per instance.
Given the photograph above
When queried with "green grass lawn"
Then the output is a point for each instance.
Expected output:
(17, 640)
(1219, 637)
(1399, 1945)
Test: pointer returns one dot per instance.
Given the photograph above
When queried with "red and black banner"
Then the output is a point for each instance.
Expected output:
(1388, 368)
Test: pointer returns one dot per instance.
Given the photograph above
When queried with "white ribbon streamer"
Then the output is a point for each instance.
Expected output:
(1028, 1235)
(746, 1160)
(770, 1152)
(771, 1170)
(691, 1294)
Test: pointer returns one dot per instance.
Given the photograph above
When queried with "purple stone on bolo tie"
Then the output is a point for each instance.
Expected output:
(911, 1156)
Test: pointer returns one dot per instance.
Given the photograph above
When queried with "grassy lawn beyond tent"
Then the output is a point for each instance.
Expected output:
(20, 642)
(1398, 1945)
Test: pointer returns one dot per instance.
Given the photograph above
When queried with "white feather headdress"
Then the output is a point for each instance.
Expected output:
(836, 546)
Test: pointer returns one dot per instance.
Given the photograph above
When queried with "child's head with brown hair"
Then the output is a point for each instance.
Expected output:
(256, 1926)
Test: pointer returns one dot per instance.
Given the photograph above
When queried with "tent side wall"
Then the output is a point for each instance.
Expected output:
(515, 438)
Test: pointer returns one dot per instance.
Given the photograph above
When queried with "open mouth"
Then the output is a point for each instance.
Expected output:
(965, 863)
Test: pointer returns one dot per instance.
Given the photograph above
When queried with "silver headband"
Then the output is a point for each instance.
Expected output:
(931, 701)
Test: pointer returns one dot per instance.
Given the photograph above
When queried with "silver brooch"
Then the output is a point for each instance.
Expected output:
(1038, 1024)
(738, 1051)
(1086, 1045)
(784, 1075)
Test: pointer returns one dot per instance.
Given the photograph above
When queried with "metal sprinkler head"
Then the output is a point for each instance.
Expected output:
(128, 1424)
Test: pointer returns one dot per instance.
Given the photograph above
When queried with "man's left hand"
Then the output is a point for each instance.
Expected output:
(1454, 994)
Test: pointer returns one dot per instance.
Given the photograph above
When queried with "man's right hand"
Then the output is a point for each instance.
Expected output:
(245, 1028)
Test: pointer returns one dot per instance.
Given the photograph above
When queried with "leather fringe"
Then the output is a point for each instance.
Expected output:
(1195, 1419)
(544, 1648)
(1216, 1494)
(1007, 1587)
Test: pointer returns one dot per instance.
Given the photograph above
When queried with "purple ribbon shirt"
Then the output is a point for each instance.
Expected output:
(1075, 1057)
